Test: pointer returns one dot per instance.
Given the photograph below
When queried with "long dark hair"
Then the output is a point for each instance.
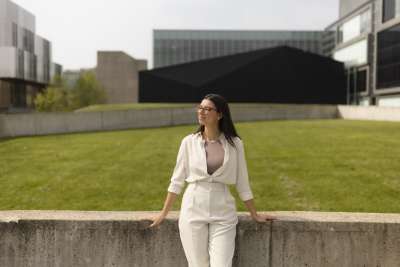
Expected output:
(225, 124)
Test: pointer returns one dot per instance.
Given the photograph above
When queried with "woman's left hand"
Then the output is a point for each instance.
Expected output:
(263, 218)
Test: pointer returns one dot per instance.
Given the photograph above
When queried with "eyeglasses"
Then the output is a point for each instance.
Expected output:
(206, 109)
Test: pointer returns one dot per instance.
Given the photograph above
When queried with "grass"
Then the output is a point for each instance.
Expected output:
(321, 165)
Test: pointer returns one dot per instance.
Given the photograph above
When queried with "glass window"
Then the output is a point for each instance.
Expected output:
(15, 35)
(361, 80)
(242, 46)
(32, 66)
(355, 27)
(351, 28)
(193, 47)
(388, 66)
(365, 22)
(18, 95)
(235, 46)
(46, 61)
(180, 51)
(214, 48)
(389, 101)
(201, 49)
(220, 47)
(207, 48)
(225, 47)
(388, 10)
(356, 82)
(28, 40)
(364, 101)
(353, 55)
(249, 45)
(397, 8)
(340, 34)
(185, 50)
(21, 64)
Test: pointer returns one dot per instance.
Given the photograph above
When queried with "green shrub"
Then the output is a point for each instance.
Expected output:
(52, 99)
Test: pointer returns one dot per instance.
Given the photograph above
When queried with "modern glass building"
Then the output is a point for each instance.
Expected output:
(367, 39)
(26, 66)
(172, 47)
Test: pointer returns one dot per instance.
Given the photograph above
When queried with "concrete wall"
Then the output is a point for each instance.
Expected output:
(119, 74)
(369, 113)
(89, 238)
(347, 6)
(54, 123)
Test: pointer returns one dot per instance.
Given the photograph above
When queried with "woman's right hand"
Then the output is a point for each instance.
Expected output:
(167, 207)
(157, 220)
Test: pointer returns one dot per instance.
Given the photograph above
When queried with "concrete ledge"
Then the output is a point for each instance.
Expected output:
(91, 238)
(13, 125)
(369, 113)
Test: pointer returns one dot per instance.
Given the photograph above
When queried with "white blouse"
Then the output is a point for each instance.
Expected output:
(191, 165)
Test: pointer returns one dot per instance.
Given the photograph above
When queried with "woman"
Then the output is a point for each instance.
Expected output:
(208, 160)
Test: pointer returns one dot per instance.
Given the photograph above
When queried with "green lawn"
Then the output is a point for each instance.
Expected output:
(326, 165)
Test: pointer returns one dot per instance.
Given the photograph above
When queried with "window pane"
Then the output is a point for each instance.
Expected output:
(352, 28)
(388, 10)
(353, 55)
(361, 80)
(388, 69)
(14, 35)
(365, 21)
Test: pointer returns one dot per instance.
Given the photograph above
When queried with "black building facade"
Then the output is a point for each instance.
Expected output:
(274, 75)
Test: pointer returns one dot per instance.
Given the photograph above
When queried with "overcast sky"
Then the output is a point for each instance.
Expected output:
(78, 28)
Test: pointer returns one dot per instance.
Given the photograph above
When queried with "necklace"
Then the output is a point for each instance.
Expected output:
(209, 140)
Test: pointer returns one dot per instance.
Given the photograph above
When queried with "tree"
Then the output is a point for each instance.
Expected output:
(87, 91)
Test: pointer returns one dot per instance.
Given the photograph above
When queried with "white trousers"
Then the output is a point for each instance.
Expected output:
(207, 224)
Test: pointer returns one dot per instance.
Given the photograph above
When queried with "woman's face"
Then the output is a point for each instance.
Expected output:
(207, 113)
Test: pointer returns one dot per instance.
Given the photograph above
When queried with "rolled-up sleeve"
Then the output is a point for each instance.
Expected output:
(180, 171)
(242, 183)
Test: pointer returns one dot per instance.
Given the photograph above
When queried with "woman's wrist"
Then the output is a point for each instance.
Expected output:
(164, 213)
(253, 214)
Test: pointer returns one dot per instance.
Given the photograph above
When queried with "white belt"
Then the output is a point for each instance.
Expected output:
(209, 186)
